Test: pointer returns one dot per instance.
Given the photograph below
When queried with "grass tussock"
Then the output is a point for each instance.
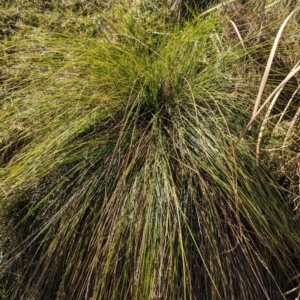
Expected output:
(118, 178)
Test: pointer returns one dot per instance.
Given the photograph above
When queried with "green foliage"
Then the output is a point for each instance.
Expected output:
(117, 175)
